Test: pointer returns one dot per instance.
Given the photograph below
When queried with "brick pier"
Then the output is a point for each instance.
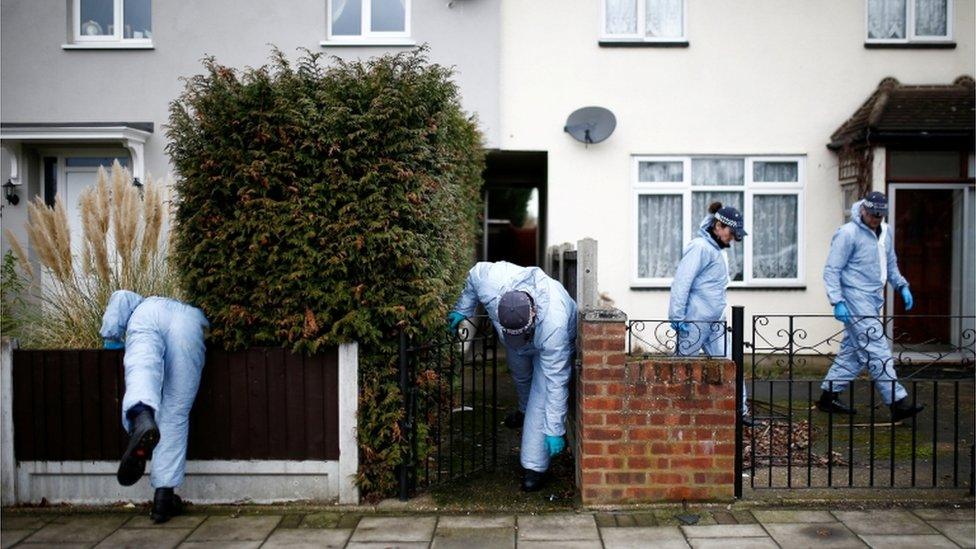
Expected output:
(652, 430)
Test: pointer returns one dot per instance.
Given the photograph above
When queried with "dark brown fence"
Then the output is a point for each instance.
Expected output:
(254, 404)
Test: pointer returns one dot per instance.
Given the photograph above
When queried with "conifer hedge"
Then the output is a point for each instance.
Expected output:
(324, 204)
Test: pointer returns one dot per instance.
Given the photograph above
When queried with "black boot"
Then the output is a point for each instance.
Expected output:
(514, 419)
(142, 440)
(902, 409)
(166, 505)
(533, 481)
(830, 403)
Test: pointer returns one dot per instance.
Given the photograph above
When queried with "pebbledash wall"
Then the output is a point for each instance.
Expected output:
(650, 430)
(267, 426)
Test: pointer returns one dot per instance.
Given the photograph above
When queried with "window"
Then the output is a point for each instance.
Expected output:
(671, 198)
(643, 21)
(112, 23)
(373, 21)
(908, 21)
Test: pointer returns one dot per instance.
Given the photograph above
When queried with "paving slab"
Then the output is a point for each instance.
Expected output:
(792, 516)
(10, 537)
(57, 545)
(557, 527)
(563, 544)
(476, 521)
(349, 520)
(235, 529)
(626, 521)
(308, 538)
(899, 541)
(321, 520)
(220, 545)
(724, 517)
(660, 537)
(645, 519)
(22, 523)
(77, 529)
(394, 529)
(946, 514)
(605, 520)
(889, 521)
(744, 517)
(962, 533)
(134, 538)
(739, 543)
(474, 538)
(180, 522)
(388, 545)
(724, 531)
(824, 534)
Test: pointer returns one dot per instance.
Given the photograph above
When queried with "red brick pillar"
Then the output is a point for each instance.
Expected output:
(652, 430)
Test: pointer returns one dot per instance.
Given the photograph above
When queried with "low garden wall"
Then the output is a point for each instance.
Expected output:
(651, 430)
(267, 425)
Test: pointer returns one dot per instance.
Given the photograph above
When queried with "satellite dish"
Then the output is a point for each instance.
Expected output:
(590, 124)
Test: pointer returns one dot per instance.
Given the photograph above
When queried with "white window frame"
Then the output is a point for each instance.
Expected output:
(366, 36)
(749, 190)
(115, 40)
(640, 35)
(910, 36)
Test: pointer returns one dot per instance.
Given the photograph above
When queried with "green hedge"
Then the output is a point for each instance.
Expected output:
(324, 204)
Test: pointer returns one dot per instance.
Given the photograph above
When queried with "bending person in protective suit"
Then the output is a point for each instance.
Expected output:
(697, 306)
(164, 355)
(536, 319)
(861, 261)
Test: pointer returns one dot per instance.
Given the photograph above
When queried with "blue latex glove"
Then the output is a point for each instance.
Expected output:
(454, 318)
(680, 326)
(555, 445)
(841, 312)
(113, 344)
(906, 294)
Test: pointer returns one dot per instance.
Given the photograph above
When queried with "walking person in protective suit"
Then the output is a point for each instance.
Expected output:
(536, 319)
(697, 306)
(164, 355)
(861, 261)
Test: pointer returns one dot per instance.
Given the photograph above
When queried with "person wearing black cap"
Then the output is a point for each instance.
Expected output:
(860, 263)
(536, 320)
(697, 306)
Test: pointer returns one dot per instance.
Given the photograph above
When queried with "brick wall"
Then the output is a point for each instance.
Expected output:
(654, 430)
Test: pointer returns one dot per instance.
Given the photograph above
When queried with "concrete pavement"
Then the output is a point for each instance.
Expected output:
(660, 528)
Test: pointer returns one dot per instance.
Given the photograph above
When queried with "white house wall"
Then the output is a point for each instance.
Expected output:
(759, 77)
(43, 82)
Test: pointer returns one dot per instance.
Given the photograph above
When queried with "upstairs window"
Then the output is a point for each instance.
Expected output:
(908, 21)
(112, 22)
(661, 21)
(381, 21)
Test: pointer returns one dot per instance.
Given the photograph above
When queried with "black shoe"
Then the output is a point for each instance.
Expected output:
(166, 505)
(533, 481)
(748, 421)
(514, 419)
(142, 440)
(902, 409)
(830, 403)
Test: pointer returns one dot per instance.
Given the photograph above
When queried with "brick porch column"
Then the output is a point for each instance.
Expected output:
(653, 430)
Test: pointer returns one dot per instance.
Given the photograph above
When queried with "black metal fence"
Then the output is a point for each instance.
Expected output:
(450, 401)
(656, 337)
(795, 445)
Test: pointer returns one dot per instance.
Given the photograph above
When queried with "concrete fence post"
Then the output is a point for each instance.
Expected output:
(587, 293)
(348, 422)
(8, 464)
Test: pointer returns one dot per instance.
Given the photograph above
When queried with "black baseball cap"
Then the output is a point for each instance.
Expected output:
(516, 314)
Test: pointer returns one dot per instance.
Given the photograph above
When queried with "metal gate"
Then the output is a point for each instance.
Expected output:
(793, 445)
(449, 386)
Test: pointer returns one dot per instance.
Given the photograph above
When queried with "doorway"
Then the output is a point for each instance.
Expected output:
(934, 237)
(514, 218)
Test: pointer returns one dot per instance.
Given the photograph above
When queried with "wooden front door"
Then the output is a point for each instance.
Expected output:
(923, 242)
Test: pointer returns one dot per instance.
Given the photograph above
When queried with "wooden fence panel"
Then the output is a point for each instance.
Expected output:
(254, 404)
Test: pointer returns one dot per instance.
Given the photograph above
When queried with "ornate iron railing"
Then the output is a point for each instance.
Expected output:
(794, 445)
(656, 337)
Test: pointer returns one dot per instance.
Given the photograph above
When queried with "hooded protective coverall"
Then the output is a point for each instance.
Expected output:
(541, 369)
(859, 264)
(698, 297)
(164, 355)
